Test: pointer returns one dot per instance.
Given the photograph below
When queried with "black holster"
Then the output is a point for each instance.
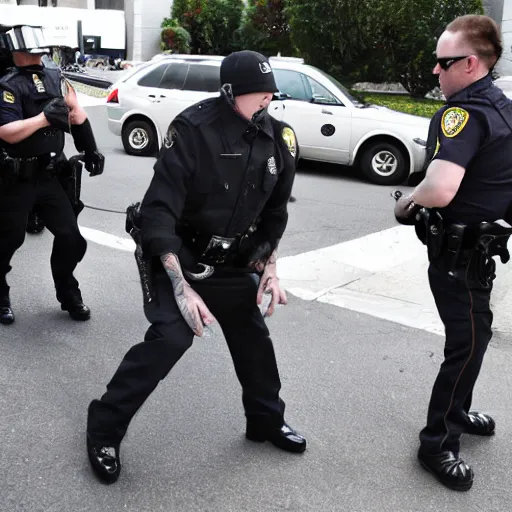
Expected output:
(144, 264)
(69, 174)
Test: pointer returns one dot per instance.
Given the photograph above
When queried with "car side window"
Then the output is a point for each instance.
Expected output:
(153, 78)
(203, 78)
(175, 75)
(291, 83)
(319, 94)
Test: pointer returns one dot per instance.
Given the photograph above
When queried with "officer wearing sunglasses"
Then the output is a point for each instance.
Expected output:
(467, 187)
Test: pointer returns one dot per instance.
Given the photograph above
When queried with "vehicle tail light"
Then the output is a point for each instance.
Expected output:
(113, 97)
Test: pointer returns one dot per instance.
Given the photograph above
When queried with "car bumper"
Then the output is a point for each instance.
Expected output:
(419, 153)
(115, 119)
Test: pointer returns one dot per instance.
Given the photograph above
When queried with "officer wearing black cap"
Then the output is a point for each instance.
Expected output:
(36, 107)
(207, 234)
(461, 212)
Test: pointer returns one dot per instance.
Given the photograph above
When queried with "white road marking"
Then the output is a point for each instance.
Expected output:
(383, 275)
(101, 238)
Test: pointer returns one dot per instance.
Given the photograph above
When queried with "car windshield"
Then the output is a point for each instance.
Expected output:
(342, 88)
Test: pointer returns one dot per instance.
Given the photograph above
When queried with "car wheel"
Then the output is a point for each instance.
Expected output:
(139, 138)
(384, 163)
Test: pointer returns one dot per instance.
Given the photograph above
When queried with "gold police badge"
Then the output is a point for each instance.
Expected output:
(454, 120)
(290, 140)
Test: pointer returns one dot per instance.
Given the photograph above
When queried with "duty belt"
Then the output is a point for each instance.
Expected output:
(27, 169)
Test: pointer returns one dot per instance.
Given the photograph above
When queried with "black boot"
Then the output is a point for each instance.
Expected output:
(74, 305)
(284, 437)
(480, 424)
(6, 313)
(450, 470)
(104, 460)
(35, 224)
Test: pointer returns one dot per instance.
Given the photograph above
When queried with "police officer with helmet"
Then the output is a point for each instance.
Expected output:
(207, 234)
(461, 212)
(36, 107)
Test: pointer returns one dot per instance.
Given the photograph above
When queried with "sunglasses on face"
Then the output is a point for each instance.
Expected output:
(447, 62)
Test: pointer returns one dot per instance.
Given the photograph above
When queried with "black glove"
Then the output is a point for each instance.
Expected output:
(57, 113)
(94, 162)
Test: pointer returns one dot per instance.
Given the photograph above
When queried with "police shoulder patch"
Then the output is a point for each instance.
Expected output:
(454, 120)
(290, 140)
(9, 97)
(170, 137)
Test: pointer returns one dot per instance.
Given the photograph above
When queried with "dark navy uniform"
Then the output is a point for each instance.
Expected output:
(24, 92)
(219, 176)
(474, 130)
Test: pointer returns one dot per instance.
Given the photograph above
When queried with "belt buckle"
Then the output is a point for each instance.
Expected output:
(217, 249)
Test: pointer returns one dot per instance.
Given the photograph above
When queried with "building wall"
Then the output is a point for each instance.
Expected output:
(504, 67)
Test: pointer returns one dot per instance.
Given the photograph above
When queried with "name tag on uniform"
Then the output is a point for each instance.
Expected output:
(230, 155)
(38, 83)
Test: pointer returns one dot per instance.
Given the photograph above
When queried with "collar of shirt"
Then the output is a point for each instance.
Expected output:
(236, 125)
(479, 85)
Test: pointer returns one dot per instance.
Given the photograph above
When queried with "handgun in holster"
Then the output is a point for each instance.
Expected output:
(434, 234)
(454, 244)
(69, 174)
(144, 265)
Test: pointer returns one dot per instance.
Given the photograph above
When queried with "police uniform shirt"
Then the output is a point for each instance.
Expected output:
(216, 175)
(23, 93)
(473, 133)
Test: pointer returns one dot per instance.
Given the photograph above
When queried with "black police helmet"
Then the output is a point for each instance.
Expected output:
(247, 72)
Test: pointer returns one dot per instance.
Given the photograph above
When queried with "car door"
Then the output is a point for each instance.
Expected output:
(320, 120)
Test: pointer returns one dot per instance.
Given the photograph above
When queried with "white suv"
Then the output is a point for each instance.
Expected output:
(331, 125)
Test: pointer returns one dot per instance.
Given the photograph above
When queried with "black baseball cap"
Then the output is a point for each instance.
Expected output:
(247, 72)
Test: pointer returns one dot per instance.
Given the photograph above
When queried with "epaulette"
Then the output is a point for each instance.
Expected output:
(11, 73)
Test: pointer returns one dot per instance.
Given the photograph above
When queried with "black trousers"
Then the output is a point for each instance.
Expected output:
(69, 247)
(463, 305)
(232, 300)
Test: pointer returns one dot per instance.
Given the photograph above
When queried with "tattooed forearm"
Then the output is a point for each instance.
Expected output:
(173, 268)
(182, 292)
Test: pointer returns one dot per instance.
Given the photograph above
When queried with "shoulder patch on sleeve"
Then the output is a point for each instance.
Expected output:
(290, 140)
(9, 97)
(454, 120)
(170, 137)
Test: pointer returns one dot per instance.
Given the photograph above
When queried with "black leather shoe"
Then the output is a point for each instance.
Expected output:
(77, 310)
(480, 424)
(285, 437)
(450, 470)
(104, 460)
(35, 224)
(6, 313)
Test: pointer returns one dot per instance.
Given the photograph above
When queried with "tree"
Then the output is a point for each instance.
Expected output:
(375, 40)
(265, 28)
(406, 41)
(332, 34)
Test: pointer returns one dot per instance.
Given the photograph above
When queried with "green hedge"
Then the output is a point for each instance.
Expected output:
(418, 107)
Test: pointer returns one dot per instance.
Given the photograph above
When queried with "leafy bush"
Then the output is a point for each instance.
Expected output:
(174, 38)
(265, 28)
(375, 40)
(415, 106)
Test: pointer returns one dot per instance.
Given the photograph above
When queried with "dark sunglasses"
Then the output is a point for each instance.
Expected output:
(447, 62)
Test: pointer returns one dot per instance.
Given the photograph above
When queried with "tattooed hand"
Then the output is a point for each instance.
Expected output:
(270, 284)
(192, 307)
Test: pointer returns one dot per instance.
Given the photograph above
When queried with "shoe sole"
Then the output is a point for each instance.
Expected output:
(3, 322)
(453, 487)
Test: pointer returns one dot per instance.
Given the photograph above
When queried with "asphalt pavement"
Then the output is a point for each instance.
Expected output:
(356, 386)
